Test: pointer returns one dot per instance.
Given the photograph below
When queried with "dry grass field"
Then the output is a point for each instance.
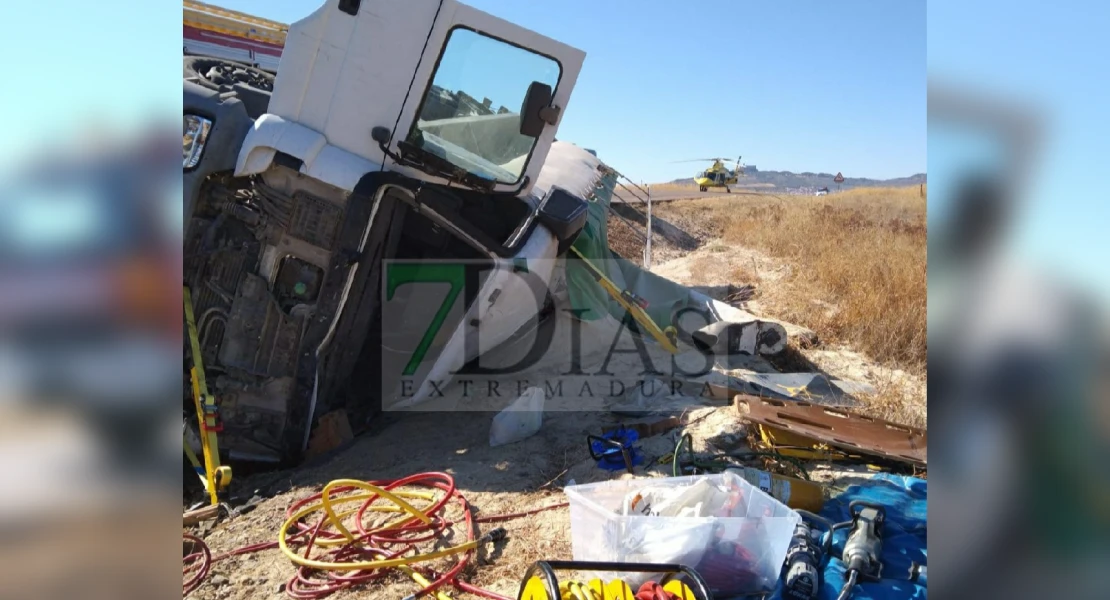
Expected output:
(857, 263)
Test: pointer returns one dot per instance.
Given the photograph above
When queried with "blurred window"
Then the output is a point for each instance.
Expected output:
(70, 221)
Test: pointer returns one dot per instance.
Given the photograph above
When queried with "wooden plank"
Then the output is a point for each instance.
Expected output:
(204, 513)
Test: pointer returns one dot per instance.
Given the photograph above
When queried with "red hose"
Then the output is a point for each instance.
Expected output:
(203, 557)
(312, 584)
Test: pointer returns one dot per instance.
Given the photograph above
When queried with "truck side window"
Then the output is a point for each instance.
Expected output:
(470, 113)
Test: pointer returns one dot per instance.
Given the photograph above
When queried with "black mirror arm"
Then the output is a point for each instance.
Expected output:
(550, 114)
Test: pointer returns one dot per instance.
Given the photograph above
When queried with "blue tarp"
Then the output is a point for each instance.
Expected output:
(904, 539)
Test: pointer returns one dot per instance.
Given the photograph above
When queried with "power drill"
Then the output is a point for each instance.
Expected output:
(801, 578)
(864, 545)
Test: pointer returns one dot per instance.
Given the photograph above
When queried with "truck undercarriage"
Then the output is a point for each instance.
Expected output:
(271, 259)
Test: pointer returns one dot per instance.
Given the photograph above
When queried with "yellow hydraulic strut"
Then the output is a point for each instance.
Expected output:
(216, 477)
(634, 305)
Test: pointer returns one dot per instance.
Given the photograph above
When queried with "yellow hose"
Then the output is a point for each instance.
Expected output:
(325, 499)
(335, 519)
(423, 581)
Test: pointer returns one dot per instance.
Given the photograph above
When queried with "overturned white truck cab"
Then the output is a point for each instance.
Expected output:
(395, 132)
(395, 129)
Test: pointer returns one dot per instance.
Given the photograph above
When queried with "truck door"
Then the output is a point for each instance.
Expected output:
(466, 97)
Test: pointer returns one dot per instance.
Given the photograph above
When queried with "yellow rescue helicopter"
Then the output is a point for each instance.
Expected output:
(718, 175)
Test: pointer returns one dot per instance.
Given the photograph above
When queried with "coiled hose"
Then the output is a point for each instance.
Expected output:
(199, 562)
(332, 557)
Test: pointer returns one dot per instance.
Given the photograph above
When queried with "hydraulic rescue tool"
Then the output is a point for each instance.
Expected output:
(801, 578)
(864, 545)
(635, 305)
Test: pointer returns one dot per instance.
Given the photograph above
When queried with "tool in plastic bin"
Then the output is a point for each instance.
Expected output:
(801, 575)
(729, 561)
(726, 560)
(614, 450)
(681, 582)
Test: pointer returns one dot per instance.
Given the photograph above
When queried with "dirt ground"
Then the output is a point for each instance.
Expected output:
(517, 477)
(508, 479)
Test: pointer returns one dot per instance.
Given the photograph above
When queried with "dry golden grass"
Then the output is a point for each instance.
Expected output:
(857, 263)
(678, 187)
(893, 402)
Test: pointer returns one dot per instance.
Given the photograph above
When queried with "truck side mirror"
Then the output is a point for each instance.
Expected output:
(536, 112)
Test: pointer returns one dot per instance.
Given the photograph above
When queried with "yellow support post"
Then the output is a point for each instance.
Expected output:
(216, 476)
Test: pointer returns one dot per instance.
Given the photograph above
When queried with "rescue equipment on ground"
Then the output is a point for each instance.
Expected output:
(677, 582)
(802, 574)
(615, 450)
(792, 491)
(864, 547)
(356, 532)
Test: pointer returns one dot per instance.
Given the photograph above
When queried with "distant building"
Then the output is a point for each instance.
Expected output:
(445, 104)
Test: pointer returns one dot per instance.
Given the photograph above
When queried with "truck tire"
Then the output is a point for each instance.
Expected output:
(251, 84)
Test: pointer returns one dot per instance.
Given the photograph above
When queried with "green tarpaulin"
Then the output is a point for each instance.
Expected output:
(587, 295)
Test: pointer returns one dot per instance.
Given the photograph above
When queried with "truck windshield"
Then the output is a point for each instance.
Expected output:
(470, 114)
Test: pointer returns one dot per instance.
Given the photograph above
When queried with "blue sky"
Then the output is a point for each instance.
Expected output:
(77, 72)
(803, 86)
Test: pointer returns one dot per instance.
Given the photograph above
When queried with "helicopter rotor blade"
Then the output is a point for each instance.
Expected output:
(695, 160)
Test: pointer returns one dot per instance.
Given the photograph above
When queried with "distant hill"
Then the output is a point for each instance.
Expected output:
(808, 183)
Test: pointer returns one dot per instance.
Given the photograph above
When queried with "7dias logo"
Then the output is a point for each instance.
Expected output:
(428, 305)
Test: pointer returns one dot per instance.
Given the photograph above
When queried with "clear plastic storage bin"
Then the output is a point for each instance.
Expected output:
(737, 541)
